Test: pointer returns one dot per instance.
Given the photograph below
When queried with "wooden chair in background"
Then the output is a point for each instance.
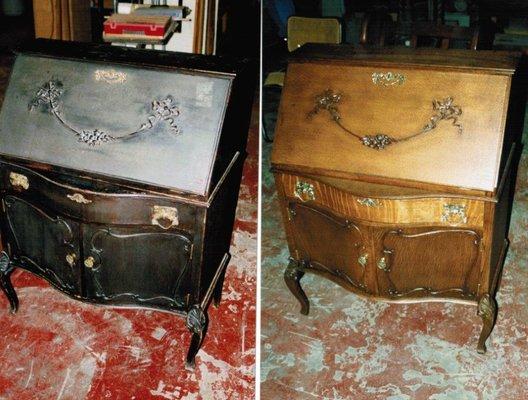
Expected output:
(446, 34)
(303, 30)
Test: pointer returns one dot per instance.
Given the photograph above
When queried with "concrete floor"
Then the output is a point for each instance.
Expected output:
(351, 348)
(57, 348)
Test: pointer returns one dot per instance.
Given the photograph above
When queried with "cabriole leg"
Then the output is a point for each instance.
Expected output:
(6, 267)
(197, 322)
(217, 294)
(292, 276)
(487, 310)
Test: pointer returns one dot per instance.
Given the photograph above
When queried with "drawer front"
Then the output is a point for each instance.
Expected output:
(96, 207)
(439, 127)
(437, 211)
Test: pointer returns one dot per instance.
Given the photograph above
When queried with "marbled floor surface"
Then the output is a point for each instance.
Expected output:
(61, 349)
(350, 348)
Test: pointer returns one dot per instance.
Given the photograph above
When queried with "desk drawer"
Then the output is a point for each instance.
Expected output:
(96, 207)
(437, 211)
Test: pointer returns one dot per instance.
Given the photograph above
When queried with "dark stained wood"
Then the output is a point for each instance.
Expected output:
(113, 241)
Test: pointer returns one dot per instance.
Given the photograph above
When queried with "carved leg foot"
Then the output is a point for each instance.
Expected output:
(487, 310)
(292, 276)
(6, 267)
(197, 322)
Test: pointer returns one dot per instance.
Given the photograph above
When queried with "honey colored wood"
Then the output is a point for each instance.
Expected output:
(347, 249)
(442, 156)
(425, 219)
(346, 180)
(428, 261)
(426, 210)
(489, 62)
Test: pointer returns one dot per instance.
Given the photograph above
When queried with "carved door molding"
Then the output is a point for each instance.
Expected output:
(428, 262)
(330, 244)
(122, 279)
(53, 255)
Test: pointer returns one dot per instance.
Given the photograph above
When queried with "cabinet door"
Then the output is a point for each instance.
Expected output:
(137, 265)
(428, 262)
(44, 243)
(330, 244)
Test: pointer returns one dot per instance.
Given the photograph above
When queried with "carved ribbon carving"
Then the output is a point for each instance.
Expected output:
(443, 110)
(48, 98)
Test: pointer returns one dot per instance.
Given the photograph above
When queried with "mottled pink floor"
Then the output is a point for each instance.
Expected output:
(350, 348)
(58, 348)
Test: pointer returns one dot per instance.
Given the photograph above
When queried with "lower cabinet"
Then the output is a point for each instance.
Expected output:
(330, 244)
(44, 242)
(137, 264)
(427, 261)
(384, 259)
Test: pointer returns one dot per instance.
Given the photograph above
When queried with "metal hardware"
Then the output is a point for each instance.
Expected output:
(165, 213)
(291, 213)
(89, 262)
(368, 202)
(388, 78)
(78, 198)
(363, 259)
(48, 97)
(110, 76)
(304, 191)
(382, 264)
(19, 180)
(70, 259)
(454, 214)
(443, 110)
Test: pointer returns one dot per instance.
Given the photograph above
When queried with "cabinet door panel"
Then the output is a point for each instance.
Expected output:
(131, 265)
(428, 262)
(330, 244)
(44, 243)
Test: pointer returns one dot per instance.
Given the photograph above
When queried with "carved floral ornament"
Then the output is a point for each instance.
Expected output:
(442, 110)
(48, 98)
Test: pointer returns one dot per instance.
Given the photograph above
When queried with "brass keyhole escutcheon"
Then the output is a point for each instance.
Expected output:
(382, 264)
(89, 262)
(363, 259)
(70, 259)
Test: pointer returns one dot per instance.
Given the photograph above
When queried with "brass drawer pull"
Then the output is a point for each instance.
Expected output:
(89, 262)
(388, 78)
(382, 264)
(368, 202)
(304, 191)
(363, 259)
(454, 214)
(78, 198)
(19, 180)
(70, 259)
(169, 214)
